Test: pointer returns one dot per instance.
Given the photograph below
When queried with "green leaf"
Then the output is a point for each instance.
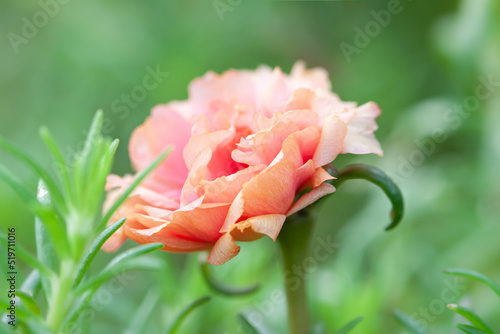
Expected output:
(24, 255)
(245, 325)
(101, 170)
(92, 139)
(475, 276)
(28, 302)
(471, 316)
(185, 312)
(44, 247)
(88, 289)
(58, 162)
(134, 184)
(31, 284)
(347, 328)
(380, 179)
(470, 329)
(221, 287)
(134, 252)
(53, 224)
(94, 248)
(407, 322)
(122, 263)
(84, 160)
(37, 169)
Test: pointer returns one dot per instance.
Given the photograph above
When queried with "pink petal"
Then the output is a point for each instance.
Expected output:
(311, 197)
(360, 138)
(163, 128)
(251, 229)
(331, 141)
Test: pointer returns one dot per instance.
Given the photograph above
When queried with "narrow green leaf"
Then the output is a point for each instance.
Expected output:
(85, 159)
(471, 316)
(24, 255)
(59, 162)
(407, 322)
(245, 325)
(93, 137)
(94, 248)
(221, 287)
(134, 184)
(380, 179)
(185, 312)
(99, 174)
(135, 252)
(470, 329)
(31, 284)
(475, 276)
(37, 169)
(127, 264)
(28, 302)
(53, 224)
(44, 247)
(347, 328)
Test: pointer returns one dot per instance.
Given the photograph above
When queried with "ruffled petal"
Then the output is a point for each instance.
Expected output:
(163, 128)
(311, 197)
(331, 141)
(360, 138)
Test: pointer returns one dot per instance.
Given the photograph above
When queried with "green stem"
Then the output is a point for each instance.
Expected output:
(60, 299)
(295, 239)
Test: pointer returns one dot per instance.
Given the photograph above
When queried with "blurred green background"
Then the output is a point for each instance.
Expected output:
(422, 64)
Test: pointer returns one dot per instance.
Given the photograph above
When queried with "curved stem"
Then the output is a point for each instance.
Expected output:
(295, 239)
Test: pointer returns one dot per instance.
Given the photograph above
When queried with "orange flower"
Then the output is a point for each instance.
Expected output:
(245, 143)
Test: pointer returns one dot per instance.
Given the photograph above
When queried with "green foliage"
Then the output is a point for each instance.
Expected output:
(471, 316)
(476, 276)
(70, 231)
